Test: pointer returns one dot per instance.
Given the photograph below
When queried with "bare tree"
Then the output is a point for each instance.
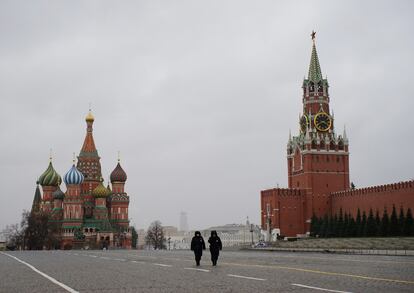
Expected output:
(35, 232)
(155, 236)
(14, 234)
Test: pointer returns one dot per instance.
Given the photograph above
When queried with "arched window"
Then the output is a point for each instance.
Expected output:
(341, 145)
(320, 87)
(322, 144)
(311, 87)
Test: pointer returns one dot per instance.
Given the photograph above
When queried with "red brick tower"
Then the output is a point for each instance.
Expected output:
(317, 158)
(119, 200)
(90, 166)
(101, 194)
(72, 202)
(49, 181)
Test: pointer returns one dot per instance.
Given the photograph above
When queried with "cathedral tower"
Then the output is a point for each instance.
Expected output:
(49, 181)
(72, 203)
(119, 200)
(90, 166)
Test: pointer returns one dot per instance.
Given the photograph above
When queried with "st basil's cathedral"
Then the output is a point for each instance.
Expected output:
(87, 214)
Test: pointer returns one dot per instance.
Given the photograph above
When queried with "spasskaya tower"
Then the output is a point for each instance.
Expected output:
(318, 158)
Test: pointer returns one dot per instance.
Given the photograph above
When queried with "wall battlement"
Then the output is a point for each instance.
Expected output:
(284, 192)
(376, 189)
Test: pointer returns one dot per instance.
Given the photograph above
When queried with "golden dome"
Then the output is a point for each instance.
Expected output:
(101, 191)
(89, 117)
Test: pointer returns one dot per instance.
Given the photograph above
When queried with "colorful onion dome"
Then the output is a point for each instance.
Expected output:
(73, 176)
(58, 194)
(118, 174)
(50, 177)
(89, 117)
(101, 191)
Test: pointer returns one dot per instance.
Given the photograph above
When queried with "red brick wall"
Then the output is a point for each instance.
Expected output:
(376, 197)
(286, 210)
(320, 174)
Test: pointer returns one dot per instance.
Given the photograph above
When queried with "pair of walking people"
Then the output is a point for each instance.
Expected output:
(198, 245)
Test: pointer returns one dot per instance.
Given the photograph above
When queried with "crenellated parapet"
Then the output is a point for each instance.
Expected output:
(376, 189)
(316, 141)
(285, 192)
(376, 198)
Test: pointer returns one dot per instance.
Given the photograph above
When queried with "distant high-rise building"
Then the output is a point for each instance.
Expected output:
(183, 222)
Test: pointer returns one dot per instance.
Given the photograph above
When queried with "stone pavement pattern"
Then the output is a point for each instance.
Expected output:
(175, 271)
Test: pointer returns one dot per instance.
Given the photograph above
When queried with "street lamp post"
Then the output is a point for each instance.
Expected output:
(268, 221)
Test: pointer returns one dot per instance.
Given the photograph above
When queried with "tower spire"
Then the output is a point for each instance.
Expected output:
(37, 200)
(88, 159)
(89, 143)
(345, 137)
(314, 73)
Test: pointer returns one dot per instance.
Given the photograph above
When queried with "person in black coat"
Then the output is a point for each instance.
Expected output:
(198, 245)
(215, 246)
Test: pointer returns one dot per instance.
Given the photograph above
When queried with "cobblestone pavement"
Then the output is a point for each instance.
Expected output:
(175, 271)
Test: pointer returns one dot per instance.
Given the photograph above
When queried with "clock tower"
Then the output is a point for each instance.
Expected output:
(318, 158)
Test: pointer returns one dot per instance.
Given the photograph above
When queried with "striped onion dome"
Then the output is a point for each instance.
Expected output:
(101, 191)
(73, 176)
(118, 174)
(50, 177)
(58, 194)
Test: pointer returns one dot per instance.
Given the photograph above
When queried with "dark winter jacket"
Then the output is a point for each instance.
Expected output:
(197, 243)
(215, 242)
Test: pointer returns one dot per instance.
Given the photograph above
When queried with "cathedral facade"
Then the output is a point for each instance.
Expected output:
(87, 214)
(318, 170)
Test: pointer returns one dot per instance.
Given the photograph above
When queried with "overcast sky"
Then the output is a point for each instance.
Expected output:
(198, 96)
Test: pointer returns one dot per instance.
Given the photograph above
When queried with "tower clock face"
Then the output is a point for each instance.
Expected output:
(322, 121)
(304, 123)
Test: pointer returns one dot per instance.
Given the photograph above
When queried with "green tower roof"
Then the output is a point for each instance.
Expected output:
(37, 199)
(315, 73)
(50, 177)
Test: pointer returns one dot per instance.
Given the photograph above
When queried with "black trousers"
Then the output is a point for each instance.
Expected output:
(197, 256)
(214, 255)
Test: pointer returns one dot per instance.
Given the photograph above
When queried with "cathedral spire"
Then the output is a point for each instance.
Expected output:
(314, 73)
(37, 200)
(88, 160)
(88, 148)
